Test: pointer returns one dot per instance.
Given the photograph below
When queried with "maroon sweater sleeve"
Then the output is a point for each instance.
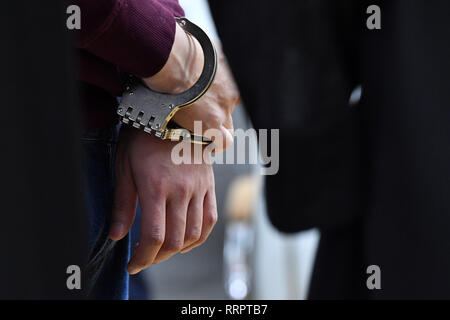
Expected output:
(134, 35)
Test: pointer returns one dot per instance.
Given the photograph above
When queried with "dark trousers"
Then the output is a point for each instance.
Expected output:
(108, 278)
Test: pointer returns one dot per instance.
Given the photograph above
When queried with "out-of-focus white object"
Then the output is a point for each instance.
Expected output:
(355, 96)
(198, 12)
(283, 263)
(260, 262)
(238, 247)
(238, 251)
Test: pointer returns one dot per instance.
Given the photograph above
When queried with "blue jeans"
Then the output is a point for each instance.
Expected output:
(108, 278)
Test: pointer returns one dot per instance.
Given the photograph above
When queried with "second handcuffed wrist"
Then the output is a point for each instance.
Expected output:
(152, 111)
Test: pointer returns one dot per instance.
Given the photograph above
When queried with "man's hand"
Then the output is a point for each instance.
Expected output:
(214, 109)
(178, 201)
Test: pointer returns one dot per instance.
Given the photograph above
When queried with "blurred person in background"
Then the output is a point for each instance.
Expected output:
(178, 203)
(373, 176)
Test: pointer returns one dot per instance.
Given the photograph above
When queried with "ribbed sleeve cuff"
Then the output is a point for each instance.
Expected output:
(137, 36)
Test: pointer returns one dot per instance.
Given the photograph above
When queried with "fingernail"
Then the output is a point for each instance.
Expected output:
(116, 230)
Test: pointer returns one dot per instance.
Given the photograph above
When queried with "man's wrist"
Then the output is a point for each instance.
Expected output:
(183, 67)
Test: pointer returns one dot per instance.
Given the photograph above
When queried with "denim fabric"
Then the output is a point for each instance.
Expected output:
(108, 278)
(139, 288)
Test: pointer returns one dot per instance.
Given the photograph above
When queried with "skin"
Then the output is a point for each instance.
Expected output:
(181, 71)
(178, 201)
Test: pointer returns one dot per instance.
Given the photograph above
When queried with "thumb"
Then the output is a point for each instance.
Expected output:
(125, 201)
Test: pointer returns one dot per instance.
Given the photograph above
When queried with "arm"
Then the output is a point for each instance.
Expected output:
(178, 201)
(135, 35)
(142, 38)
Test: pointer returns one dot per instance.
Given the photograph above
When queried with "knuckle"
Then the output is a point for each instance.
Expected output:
(213, 122)
(173, 245)
(154, 238)
(235, 96)
(211, 218)
(158, 187)
(193, 235)
(183, 189)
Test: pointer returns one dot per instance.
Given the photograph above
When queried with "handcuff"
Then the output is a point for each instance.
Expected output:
(152, 111)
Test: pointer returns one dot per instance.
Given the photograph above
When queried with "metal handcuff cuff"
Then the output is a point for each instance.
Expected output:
(152, 111)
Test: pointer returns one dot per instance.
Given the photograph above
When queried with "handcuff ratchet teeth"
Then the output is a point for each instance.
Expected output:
(152, 111)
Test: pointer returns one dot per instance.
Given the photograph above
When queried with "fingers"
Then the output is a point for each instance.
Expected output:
(194, 220)
(222, 138)
(176, 209)
(153, 226)
(125, 201)
(209, 219)
(177, 226)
